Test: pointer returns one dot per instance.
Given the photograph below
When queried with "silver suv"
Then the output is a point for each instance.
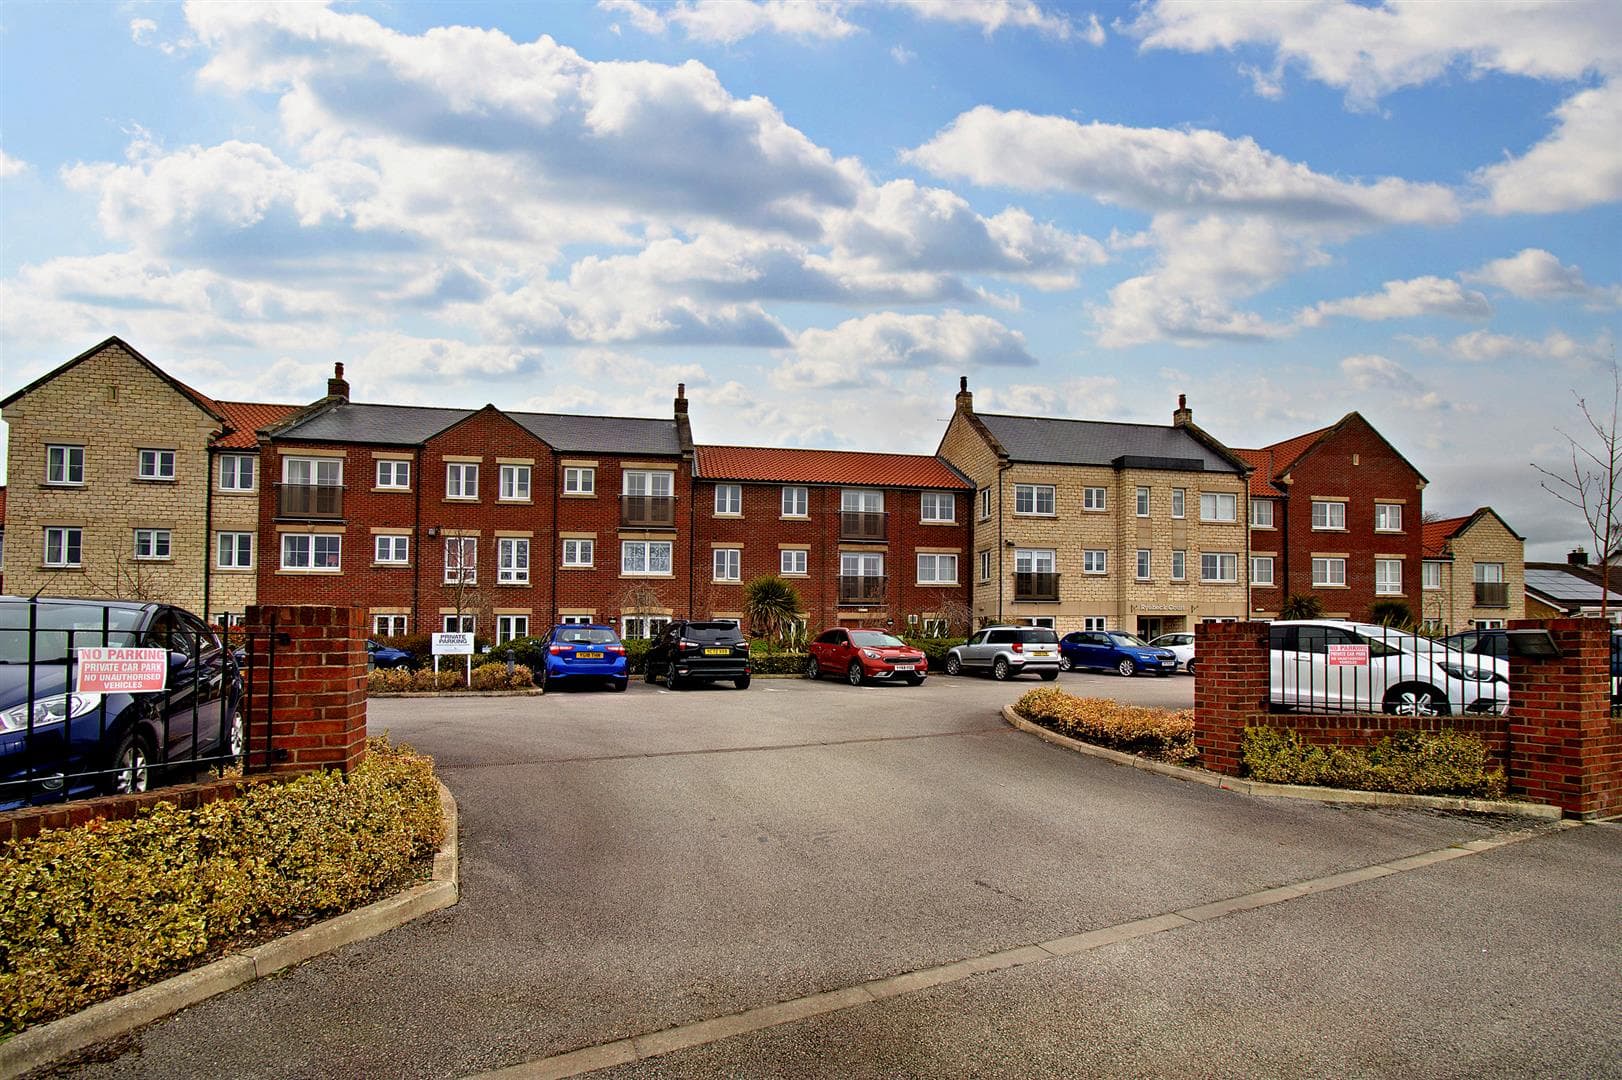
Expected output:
(1006, 652)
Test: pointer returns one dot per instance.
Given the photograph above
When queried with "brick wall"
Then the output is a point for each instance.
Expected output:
(29, 821)
(312, 703)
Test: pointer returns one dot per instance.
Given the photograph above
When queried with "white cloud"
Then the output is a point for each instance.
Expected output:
(1405, 300)
(1482, 346)
(10, 166)
(1397, 385)
(726, 22)
(886, 349)
(991, 16)
(141, 30)
(903, 55)
(1575, 167)
(1535, 274)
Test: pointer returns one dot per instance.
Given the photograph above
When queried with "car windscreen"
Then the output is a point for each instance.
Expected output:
(712, 632)
(587, 635)
(1037, 636)
(872, 639)
(1132, 640)
(56, 623)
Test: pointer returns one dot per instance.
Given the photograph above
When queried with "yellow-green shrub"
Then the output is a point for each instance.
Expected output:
(93, 911)
(389, 681)
(448, 678)
(495, 677)
(1162, 733)
(1410, 762)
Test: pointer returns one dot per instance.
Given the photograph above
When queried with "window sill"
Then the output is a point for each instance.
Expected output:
(1224, 521)
(62, 486)
(577, 566)
(726, 581)
(1034, 514)
(391, 490)
(1329, 529)
(392, 565)
(459, 499)
(1317, 585)
(1264, 528)
(728, 516)
(515, 502)
(789, 574)
(74, 568)
(930, 521)
(656, 577)
(152, 558)
(793, 517)
(577, 495)
(306, 571)
(936, 584)
(1394, 596)
(238, 492)
(154, 479)
(512, 584)
(233, 569)
(1227, 581)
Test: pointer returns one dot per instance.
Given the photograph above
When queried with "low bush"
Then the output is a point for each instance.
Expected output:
(93, 911)
(390, 681)
(636, 654)
(934, 648)
(446, 678)
(495, 677)
(779, 663)
(1409, 762)
(1163, 734)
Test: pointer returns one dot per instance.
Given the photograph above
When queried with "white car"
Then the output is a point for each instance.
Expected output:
(1181, 645)
(1323, 665)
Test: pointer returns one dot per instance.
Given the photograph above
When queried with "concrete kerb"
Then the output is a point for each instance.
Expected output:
(105, 1020)
(1285, 791)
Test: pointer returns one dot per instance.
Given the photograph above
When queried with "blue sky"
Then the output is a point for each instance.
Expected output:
(818, 215)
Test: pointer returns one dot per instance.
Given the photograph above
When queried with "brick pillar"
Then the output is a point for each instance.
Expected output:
(1230, 688)
(1565, 748)
(314, 699)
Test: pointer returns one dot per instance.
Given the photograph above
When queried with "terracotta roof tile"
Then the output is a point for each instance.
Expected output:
(1274, 461)
(781, 465)
(246, 417)
(1434, 535)
(1261, 481)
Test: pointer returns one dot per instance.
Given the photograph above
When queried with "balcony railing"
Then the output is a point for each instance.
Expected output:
(862, 525)
(1492, 594)
(1036, 586)
(310, 501)
(648, 511)
(861, 591)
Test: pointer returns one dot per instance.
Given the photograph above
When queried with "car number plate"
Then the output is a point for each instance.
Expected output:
(717, 652)
(1041, 652)
(905, 667)
(588, 656)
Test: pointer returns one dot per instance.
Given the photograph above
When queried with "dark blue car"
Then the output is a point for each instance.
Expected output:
(386, 656)
(584, 653)
(56, 742)
(1113, 650)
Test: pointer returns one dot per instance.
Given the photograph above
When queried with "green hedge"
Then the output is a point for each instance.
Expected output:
(90, 912)
(1163, 734)
(1409, 762)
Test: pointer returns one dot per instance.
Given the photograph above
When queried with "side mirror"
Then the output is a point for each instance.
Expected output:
(178, 660)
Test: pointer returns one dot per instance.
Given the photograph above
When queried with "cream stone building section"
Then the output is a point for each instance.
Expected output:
(1057, 528)
(1474, 572)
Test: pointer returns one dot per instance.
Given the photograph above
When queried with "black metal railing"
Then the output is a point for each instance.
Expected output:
(861, 590)
(1036, 586)
(648, 511)
(1492, 594)
(870, 525)
(322, 501)
(77, 743)
(1325, 668)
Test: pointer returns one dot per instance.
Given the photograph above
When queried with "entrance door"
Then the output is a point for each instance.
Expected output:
(1150, 627)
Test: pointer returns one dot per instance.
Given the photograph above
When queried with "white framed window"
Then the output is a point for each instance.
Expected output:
(1094, 623)
(1487, 624)
(729, 499)
(1387, 517)
(1179, 565)
(1034, 560)
(1328, 515)
(1035, 499)
(937, 506)
(575, 620)
(461, 480)
(796, 501)
(313, 472)
(514, 486)
(1095, 561)
(312, 551)
(1094, 498)
(985, 503)
(461, 560)
(152, 544)
(237, 472)
(458, 624)
(1142, 498)
(793, 562)
(511, 626)
(579, 480)
(233, 550)
(659, 483)
(1261, 513)
(1218, 506)
(645, 558)
(1328, 573)
(1145, 564)
(1430, 576)
(727, 564)
(861, 501)
(155, 465)
(393, 475)
(1179, 502)
(1387, 577)
(64, 465)
(1219, 566)
(1488, 572)
(643, 626)
(936, 569)
(858, 564)
(393, 549)
(512, 560)
(579, 552)
(1261, 569)
(1044, 621)
(985, 566)
(389, 625)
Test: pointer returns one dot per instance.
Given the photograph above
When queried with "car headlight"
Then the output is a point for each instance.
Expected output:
(870, 654)
(1469, 674)
(51, 710)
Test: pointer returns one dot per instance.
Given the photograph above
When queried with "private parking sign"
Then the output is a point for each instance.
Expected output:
(103, 670)
(1348, 656)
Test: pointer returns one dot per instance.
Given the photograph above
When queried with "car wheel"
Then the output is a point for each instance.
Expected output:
(1189, 667)
(812, 671)
(741, 682)
(1064, 663)
(618, 685)
(1000, 670)
(1126, 668)
(672, 680)
(1048, 676)
(853, 674)
(1415, 699)
(647, 674)
(236, 738)
(954, 666)
(133, 763)
(915, 680)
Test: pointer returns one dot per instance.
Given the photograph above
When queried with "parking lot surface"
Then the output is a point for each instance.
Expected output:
(636, 861)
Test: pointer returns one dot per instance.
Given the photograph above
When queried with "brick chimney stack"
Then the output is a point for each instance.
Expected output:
(1183, 416)
(681, 399)
(336, 386)
(965, 397)
(1577, 557)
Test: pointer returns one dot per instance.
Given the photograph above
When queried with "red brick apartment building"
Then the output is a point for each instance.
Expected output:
(1335, 514)
(866, 539)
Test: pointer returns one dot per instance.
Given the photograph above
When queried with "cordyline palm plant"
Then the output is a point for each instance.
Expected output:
(772, 606)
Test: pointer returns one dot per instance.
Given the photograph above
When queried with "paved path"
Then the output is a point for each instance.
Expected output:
(637, 861)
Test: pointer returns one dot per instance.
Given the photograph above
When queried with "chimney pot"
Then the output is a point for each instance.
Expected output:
(965, 399)
(336, 386)
(1577, 557)
(681, 399)
(1183, 416)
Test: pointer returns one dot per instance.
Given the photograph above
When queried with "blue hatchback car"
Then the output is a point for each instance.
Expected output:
(1114, 649)
(379, 655)
(580, 653)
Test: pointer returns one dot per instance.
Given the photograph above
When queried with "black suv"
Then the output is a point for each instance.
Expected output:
(689, 652)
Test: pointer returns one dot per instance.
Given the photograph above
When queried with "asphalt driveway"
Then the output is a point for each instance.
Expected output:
(641, 860)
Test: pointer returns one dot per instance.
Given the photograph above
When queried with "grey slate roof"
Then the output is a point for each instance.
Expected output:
(1559, 585)
(409, 425)
(1101, 442)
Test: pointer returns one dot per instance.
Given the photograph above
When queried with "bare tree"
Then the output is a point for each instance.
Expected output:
(129, 579)
(953, 611)
(462, 576)
(1588, 483)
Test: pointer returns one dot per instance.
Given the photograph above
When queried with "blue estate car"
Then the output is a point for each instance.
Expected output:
(576, 652)
(379, 655)
(89, 743)
(1113, 649)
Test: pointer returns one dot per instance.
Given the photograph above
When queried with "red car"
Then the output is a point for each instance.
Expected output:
(858, 655)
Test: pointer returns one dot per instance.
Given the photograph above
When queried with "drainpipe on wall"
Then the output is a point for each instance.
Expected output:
(208, 529)
(416, 530)
(1001, 468)
(557, 542)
